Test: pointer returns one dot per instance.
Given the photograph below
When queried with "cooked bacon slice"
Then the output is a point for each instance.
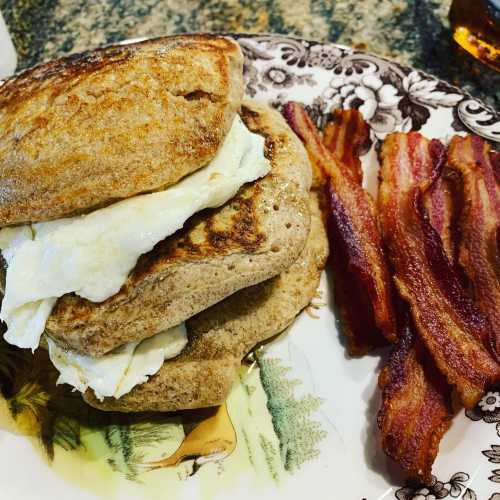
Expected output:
(479, 226)
(362, 284)
(451, 327)
(347, 135)
(495, 161)
(442, 202)
(416, 406)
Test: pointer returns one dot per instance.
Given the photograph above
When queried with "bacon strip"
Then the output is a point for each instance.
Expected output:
(495, 161)
(479, 226)
(446, 319)
(347, 136)
(416, 406)
(442, 202)
(361, 280)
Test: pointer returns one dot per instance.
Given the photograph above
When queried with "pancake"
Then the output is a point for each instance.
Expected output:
(219, 337)
(255, 236)
(89, 129)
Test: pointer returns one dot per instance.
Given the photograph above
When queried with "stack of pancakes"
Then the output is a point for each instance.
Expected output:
(81, 134)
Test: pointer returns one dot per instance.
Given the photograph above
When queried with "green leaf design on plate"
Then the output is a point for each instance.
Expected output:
(128, 439)
(298, 434)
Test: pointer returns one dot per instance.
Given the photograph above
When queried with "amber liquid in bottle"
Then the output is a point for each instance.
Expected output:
(476, 27)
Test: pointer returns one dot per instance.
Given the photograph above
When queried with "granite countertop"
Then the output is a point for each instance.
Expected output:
(414, 32)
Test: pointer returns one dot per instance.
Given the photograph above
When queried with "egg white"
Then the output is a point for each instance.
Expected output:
(119, 371)
(92, 255)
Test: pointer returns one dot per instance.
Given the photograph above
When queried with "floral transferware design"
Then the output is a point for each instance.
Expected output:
(294, 52)
(390, 96)
(490, 402)
(280, 78)
(376, 100)
(488, 408)
(493, 456)
(493, 453)
(456, 487)
(480, 118)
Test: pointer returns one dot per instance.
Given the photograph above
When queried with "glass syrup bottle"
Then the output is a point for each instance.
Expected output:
(476, 27)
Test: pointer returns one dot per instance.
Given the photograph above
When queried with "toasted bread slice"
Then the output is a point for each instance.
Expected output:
(203, 374)
(252, 238)
(92, 128)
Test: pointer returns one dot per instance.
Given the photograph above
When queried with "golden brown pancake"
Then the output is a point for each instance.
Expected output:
(89, 129)
(219, 337)
(253, 237)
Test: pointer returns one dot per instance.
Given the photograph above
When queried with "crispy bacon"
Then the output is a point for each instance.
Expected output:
(442, 202)
(416, 406)
(447, 321)
(495, 161)
(479, 226)
(347, 135)
(362, 283)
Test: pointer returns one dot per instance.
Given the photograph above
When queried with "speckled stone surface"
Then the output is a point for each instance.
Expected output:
(413, 32)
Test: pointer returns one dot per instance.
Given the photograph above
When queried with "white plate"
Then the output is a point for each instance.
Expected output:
(316, 437)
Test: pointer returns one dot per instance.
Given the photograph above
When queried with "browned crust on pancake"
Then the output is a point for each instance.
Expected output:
(88, 129)
(203, 374)
(253, 237)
